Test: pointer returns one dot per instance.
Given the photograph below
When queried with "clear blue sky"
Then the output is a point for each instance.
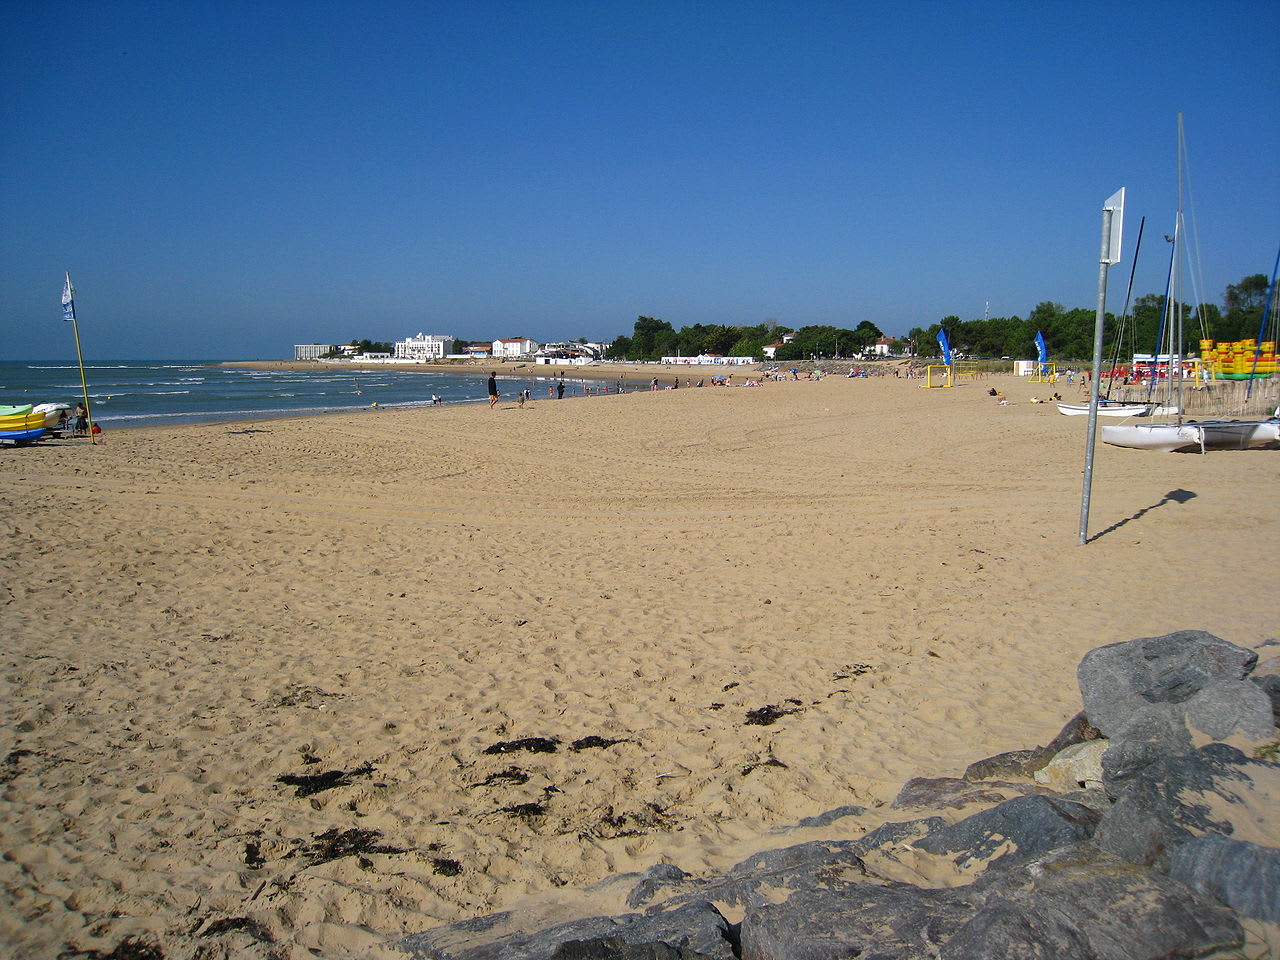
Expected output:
(224, 180)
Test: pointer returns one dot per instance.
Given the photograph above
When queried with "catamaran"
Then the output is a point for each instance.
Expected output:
(1107, 408)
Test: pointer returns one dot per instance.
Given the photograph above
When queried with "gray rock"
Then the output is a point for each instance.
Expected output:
(617, 949)
(1095, 799)
(1014, 763)
(657, 877)
(893, 921)
(1162, 727)
(1077, 730)
(1140, 688)
(1074, 903)
(819, 865)
(804, 866)
(1016, 830)
(1167, 801)
(888, 834)
(696, 927)
(1266, 676)
(1243, 875)
(1079, 904)
(941, 793)
(1224, 707)
(831, 816)
(1126, 760)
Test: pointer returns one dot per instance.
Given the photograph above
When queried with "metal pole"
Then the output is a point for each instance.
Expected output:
(1098, 321)
(84, 384)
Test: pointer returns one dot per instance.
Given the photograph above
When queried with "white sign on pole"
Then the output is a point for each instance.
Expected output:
(1114, 203)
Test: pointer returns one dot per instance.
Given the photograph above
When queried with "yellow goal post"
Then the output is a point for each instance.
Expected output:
(1044, 372)
(941, 379)
(973, 371)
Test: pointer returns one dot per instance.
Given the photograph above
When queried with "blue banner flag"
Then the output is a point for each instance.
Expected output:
(68, 300)
(1042, 352)
(945, 344)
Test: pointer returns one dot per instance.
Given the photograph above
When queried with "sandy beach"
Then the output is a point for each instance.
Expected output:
(291, 686)
(631, 374)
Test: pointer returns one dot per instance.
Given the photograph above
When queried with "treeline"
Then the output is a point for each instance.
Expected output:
(654, 339)
(1068, 334)
(365, 346)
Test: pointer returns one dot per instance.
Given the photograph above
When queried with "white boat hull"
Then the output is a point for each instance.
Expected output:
(1192, 435)
(1105, 409)
(52, 412)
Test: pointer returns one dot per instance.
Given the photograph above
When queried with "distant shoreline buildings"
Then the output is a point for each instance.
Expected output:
(427, 348)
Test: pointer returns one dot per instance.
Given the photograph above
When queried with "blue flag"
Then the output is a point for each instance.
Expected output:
(68, 300)
(1042, 352)
(945, 344)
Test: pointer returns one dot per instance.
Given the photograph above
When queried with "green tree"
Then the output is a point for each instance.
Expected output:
(649, 338)
(620, 349)
(818, 342)
(1244, 303)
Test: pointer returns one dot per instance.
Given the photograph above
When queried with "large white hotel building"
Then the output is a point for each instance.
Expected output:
(424, 347)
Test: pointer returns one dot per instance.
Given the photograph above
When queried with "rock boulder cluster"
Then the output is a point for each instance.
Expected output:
(1139, 832)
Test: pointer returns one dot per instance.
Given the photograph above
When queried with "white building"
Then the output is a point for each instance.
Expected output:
(569, 352)
(424, 347)
(883, 346)
(312, 351)
(514, 347)
(711, 359)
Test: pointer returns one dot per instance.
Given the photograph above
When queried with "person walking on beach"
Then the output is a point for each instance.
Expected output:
(82, 421)
(560, 390)
(493, 390)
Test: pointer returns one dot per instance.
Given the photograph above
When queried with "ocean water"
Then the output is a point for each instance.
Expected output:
(177, 392)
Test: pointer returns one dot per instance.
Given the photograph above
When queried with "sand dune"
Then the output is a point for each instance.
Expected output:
(385, 598)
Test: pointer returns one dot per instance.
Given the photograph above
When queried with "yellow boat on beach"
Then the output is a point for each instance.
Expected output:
(20, 424)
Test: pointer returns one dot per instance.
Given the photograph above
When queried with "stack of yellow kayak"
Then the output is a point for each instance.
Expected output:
(20, 424)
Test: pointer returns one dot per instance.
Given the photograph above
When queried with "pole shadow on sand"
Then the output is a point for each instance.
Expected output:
(1173, 496)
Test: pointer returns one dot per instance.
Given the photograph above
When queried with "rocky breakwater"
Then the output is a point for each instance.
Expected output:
(1150, 827)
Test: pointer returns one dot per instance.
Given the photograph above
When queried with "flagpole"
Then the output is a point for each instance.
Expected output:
(84, 384)
(1112, 229)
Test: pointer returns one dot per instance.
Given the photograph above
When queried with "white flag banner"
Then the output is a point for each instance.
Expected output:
(68, 300)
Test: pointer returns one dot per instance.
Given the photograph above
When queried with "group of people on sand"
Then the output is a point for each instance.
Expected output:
(524, 395)
(77, 423)
(557, 390)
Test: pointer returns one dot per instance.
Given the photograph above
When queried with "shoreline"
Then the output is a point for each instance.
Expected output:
(632, 372)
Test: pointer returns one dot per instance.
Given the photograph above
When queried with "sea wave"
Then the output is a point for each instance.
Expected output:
(228, 414)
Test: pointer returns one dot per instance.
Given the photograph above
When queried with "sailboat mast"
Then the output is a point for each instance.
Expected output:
(1178, 240)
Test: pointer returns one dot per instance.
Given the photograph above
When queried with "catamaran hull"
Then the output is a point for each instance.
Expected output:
(18, 424)
(1205, 435)
(1105, 409)
(52, 412)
